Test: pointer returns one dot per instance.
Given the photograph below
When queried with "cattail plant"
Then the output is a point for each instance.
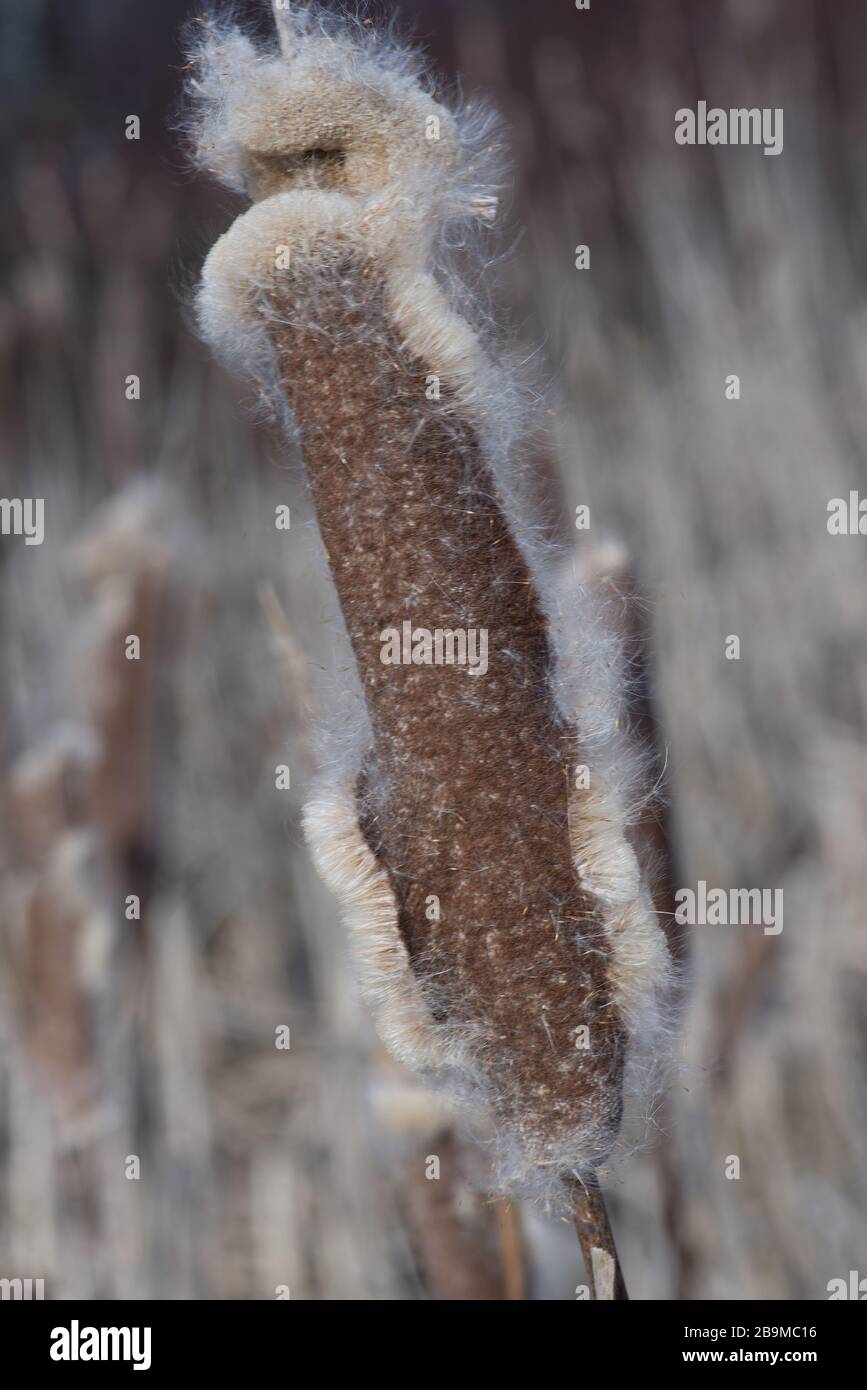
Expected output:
(478, 826)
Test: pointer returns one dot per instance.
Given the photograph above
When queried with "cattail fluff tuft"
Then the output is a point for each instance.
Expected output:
(503, 930)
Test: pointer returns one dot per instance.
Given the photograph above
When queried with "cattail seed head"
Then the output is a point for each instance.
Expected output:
(542, 977)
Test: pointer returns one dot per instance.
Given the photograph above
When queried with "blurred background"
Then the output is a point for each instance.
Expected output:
(153, 1035)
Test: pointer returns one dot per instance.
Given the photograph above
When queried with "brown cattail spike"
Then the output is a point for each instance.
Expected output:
(505, 938)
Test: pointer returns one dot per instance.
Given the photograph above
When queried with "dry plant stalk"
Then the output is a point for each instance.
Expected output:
(78, 806)
(477, 828)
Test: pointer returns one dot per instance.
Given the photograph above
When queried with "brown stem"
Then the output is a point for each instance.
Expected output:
(454, 1246)
(597, 1241)
(511, 1250)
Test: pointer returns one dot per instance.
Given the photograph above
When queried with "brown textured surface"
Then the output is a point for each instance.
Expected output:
(467, 799)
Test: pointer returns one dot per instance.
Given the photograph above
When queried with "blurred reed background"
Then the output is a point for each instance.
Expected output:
(260, 1167)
